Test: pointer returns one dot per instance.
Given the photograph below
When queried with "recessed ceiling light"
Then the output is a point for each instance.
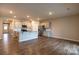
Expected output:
(14, 16)
(50, 13)
(28, 16)
(11, 11)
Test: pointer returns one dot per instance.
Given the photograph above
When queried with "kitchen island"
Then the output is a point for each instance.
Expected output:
(29, 35)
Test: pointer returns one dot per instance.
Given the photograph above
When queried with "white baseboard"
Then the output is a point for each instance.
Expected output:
(66, 38)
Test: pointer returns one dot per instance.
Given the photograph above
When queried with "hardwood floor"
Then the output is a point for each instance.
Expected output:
(10, 46)
(41, 46)
(49, 46)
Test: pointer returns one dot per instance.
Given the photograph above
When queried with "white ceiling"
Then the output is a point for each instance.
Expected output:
(39, 10)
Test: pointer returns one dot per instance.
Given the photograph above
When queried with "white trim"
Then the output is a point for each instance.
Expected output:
(66, 38)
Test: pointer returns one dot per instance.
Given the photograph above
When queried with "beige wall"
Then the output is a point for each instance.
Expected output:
(66, 27)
